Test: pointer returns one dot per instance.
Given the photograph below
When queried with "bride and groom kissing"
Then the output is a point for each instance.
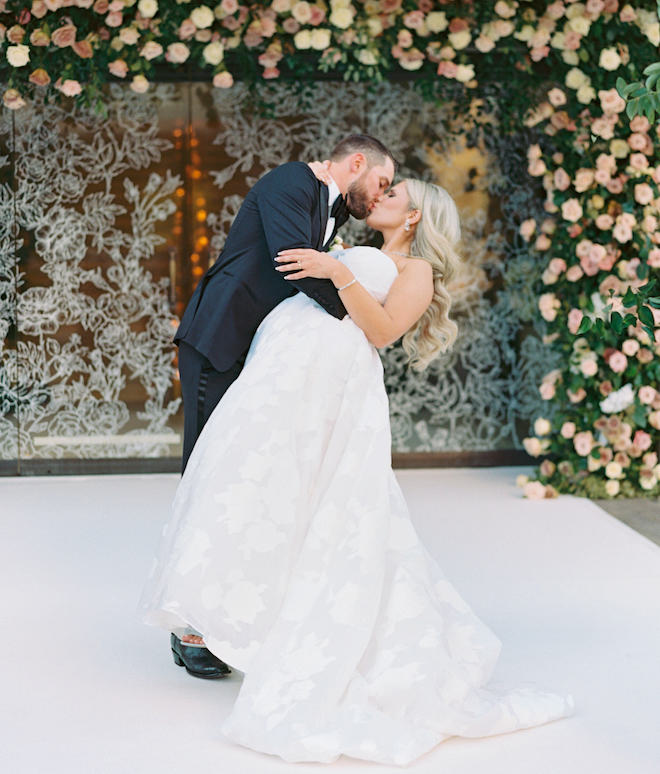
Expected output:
(290, 554)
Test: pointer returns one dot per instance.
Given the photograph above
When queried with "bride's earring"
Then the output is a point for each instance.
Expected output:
(406, 225)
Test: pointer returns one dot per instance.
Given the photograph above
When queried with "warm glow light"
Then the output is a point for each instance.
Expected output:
(196, 174)
(177, 230)
(201, 242)
(194, 258)
(177, 132)
(201, 215)
(180, 192)
(200, 201)
(194, 142)
(197, 271)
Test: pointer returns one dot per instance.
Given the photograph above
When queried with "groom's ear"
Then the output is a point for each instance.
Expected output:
(357, 163)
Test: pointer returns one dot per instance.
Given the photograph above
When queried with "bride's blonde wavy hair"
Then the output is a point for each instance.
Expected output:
(437, 234)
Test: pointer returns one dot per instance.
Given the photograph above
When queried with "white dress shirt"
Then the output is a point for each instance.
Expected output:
(333, 193)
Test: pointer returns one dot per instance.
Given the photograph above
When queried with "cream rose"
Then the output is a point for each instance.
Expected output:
(532, 446)
(460, 39)
(223, 80)
(320, 39)
(366, 57)
(202, 17)
(302, 40)
(436, 21)
(568, 430)
(542, 426)
(586, 94)
(151, 49)
(213, 53)
(19, 55)
(609, 59)
(139, 84)
(612, 487)
(302, 12)
(571, 210)
(465, 73)
(342, 17)
(148, 8)
(576, 78)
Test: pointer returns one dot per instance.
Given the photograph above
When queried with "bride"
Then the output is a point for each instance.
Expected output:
(290, 548)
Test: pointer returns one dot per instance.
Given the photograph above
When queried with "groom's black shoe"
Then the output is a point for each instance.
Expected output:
(199, 662)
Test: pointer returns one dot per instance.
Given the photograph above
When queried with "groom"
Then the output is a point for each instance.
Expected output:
(288, 207)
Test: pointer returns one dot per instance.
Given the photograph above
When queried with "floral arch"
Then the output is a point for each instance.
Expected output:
(547, 72)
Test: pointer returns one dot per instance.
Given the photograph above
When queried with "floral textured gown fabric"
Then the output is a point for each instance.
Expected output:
(290, 548)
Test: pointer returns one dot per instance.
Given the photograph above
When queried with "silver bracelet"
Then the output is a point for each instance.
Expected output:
(353, 281)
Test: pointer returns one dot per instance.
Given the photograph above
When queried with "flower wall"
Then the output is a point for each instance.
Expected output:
(546, 71)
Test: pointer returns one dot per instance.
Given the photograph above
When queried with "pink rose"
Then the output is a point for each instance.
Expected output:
(571, 210)
(290, 25)
(622, 232)
(118, 67)
(177, 53)
(647, 394)
(615, 185)
(561, 179)
(448, 69)
(557, 265)
(618, 362)
(534, 490)
(188, 28)
(547, 390)
(643, 193)
(568, 430)
(114, 19)
(576, 397)
(627, 14)
(640, 124)
(638, 161)
(574, 273)
(414, 20)
(604, 222)
(229, 6)
(69, 87)
(83, 48)
(589, 367)
(223, 80)
(642, 440)
(557, 97)
(574, 319)
(637, 141)
(654, 258)
(595, 8)
(583, 443)
(583, 179)
(64, 36)
(610, 101)
(39, 8)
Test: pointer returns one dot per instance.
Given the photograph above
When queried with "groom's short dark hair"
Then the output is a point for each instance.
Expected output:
(373, 149)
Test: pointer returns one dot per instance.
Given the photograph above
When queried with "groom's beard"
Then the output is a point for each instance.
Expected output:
(357, 199)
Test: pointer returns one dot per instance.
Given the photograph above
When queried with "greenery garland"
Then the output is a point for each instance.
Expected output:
(564, 70)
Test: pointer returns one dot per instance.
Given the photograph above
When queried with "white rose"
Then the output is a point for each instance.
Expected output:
(302, 12)
(609, 59)
(282, 6)
(129, 35)
(302, 39)
(570, 57)
(558, 40)
(464, 73)
(436, 21)
(202, 17)
(366, 57)
(619, 400)
(214, 52)
(586, 94)
(612, 487)
(460, 39)
(320, 39)
(576, 78)
(342, 18)
(542, 426)
(19, 55)
(148, 8)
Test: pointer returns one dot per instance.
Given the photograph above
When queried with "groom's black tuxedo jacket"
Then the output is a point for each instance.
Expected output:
(287, 207)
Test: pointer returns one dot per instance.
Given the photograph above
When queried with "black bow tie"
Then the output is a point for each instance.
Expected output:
(339, 209)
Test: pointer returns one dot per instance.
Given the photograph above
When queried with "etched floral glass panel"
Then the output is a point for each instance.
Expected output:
(108, 224)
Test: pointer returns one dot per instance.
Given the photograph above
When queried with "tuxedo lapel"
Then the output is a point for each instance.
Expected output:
(323, 212)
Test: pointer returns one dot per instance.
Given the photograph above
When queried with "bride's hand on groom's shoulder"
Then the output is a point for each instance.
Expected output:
(304, 262)
(320, 169)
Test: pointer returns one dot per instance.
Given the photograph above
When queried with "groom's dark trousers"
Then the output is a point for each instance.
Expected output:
(286, 208)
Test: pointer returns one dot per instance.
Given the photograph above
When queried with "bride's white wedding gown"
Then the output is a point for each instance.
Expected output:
(291, 550)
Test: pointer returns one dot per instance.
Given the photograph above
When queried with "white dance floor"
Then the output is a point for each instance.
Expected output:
(85, 688)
